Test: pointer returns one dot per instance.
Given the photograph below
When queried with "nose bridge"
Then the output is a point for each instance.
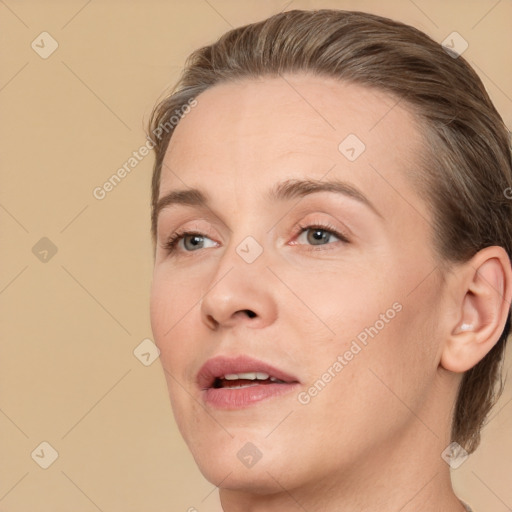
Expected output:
(245, 252)
(240, 284)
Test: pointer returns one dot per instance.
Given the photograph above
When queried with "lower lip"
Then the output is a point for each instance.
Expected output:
(229, 398)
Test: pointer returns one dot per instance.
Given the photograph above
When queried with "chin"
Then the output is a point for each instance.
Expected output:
(260, 479)
(240, 464)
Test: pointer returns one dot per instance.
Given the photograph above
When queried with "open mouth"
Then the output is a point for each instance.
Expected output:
(245, 380)
(231, 383)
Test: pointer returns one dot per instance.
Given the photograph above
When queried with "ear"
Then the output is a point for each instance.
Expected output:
(483, 294)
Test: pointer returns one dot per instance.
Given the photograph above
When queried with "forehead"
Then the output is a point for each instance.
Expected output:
(255, 132)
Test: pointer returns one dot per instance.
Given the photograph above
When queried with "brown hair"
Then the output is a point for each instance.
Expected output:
(467, 165)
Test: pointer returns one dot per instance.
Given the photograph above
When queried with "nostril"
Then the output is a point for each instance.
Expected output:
(212, 321)
(250, 314)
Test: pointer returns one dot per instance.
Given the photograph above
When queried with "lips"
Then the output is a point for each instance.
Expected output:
(234, 382)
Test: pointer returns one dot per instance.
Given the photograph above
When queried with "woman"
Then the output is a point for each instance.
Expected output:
(332, 280)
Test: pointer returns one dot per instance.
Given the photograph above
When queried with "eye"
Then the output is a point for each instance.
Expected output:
(188, 241)
(319, 234)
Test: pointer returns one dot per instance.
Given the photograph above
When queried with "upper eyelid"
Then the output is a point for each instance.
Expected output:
(302, 213)
(178, 210)
(294, 227)
(164, 231)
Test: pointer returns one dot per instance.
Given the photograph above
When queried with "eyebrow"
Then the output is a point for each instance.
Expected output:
(293, 188)
(286, 190)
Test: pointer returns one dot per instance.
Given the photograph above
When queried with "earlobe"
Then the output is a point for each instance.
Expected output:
(485, 284)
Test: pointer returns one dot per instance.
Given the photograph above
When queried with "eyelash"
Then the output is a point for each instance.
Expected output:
(172, 242)
(323, 226)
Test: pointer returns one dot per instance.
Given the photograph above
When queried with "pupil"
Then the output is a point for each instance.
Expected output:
(194, 241)
(319, 235)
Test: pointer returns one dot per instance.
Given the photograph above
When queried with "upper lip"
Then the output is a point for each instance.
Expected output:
(219, 366)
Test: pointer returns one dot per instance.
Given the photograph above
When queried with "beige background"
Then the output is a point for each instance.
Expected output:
(70, 324)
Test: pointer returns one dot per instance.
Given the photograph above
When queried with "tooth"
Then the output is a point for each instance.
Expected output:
(248, 375)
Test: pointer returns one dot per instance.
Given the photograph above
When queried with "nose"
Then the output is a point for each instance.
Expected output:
(240, 293)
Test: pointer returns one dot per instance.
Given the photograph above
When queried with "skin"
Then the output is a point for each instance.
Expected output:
(371, 439)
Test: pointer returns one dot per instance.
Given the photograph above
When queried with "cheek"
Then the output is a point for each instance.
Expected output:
(174, 293)
(339, 302)
(368, 386)
(374, 330)
(399, 361)
(172, 305)
(171, 310)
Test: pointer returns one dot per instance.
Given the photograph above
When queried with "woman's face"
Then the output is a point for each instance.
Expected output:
(310, 268)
